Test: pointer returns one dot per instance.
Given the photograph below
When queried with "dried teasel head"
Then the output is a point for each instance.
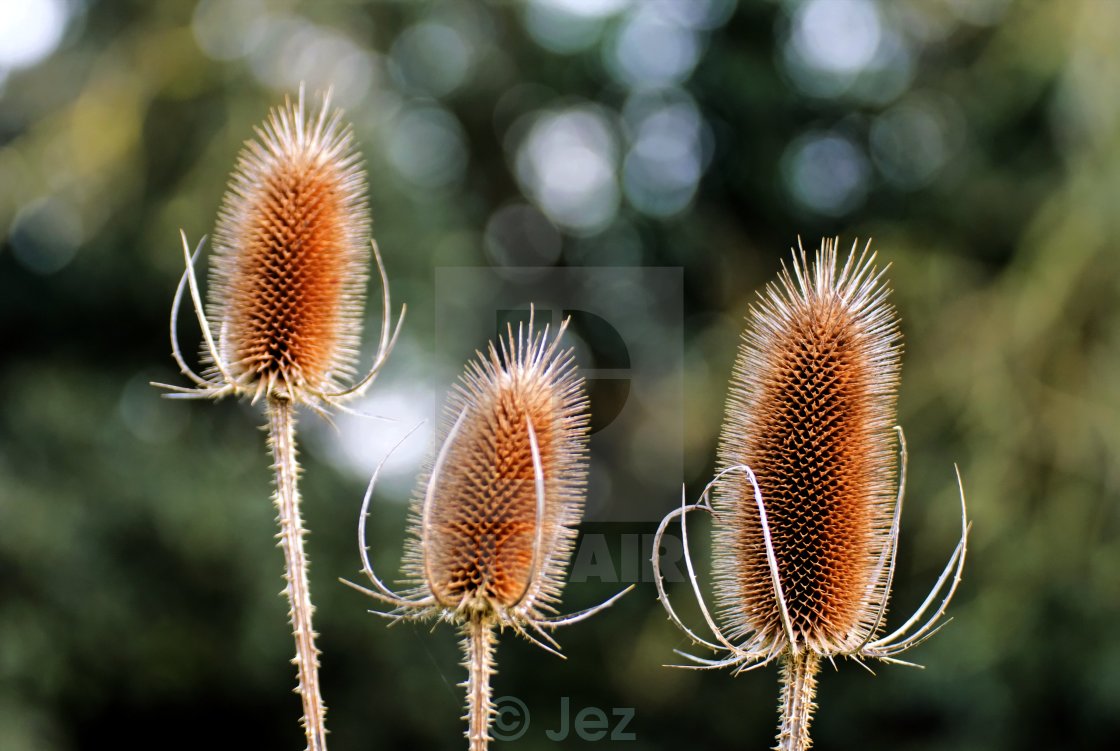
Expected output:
(809, 494)
(291, 254)
(811, 410)
(493, 522)
(494, 518)
(291, 250)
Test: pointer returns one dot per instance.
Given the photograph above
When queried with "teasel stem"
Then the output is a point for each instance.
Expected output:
(799, 688)
(281, 438)
(479, 644)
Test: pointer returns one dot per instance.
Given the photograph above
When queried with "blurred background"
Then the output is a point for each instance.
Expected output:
(977, 142)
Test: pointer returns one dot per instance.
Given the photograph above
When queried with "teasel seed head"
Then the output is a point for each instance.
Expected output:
(494, 522)
(494, 519)
(287, 282)
(808, 497)
(291, 250)
(811, 410)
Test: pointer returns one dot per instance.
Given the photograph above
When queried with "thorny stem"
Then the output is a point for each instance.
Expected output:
(799, 686)
(478, 643)
(281, 438)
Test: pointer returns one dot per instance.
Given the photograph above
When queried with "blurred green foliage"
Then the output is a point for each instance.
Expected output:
(978, 143)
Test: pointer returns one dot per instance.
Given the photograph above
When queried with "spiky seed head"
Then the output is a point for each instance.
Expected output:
(811, 409)
(494, 520)
(291, 256)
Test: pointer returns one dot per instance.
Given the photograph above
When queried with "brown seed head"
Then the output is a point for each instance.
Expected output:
(811, 410)
(493, 523)
(291, 256)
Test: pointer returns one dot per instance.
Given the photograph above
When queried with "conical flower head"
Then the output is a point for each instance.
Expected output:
(291, 257)
(494, 521)
(811, 411)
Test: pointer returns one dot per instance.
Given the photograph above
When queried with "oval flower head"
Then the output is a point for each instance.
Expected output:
(286, 291)
(494, 520)
(283, 317)
(807, 502)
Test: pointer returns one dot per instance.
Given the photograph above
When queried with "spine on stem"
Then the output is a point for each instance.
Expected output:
(799, 688)
(281, 423)
(478, 644)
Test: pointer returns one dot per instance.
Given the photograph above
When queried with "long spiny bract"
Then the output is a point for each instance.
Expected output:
(811, 410)
(809, 496)
(494, 519)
